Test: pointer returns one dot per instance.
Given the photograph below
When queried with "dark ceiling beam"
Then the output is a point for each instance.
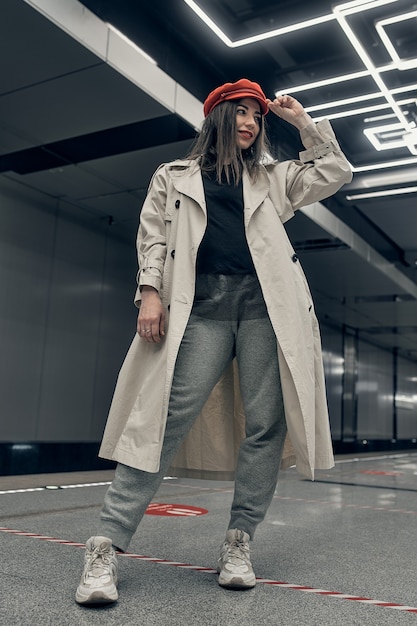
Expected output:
(105, 143)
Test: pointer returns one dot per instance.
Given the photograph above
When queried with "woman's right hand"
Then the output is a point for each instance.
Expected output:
(289, 109)
(151, 318)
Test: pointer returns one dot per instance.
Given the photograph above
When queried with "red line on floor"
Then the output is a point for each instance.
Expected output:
(199, 568)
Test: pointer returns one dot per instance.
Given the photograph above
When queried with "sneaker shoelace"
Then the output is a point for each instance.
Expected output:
(99, 561)
(237, 550)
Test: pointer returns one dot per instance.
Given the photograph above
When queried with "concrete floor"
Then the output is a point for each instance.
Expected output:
(339, 551)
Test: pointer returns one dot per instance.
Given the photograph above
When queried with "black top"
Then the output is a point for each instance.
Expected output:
(224, 249)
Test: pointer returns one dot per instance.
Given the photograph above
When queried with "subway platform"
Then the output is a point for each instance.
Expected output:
(338, 551)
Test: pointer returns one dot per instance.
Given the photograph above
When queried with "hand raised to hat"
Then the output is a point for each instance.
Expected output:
(290, 110)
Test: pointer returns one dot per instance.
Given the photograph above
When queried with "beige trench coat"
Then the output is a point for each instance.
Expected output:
(173, 222)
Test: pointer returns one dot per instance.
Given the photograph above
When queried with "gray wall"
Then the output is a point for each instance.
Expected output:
(374, 389)
(332, 345)
(372, 392)
(66, 316)
(406, 403)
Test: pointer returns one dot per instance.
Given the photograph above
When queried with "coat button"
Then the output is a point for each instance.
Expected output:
(177, 204)
(173, 254)
(294, 258)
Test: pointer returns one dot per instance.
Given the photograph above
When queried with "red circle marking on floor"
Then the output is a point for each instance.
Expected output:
(174, 510)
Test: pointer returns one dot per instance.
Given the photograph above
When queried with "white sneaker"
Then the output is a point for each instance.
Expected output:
(99, 578)
(234, 566)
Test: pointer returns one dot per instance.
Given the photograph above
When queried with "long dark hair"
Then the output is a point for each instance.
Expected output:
(216, 149)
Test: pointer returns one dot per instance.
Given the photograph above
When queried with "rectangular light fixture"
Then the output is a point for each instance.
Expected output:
(261, 36)
(354, 6)
(350, 112)
(344, 102)
(400, 63)
(361, 52)
(362, 98)
(340, 14)
(393, 136)
(386, 165)
(330, 81)
(382, 194)
(334, 80)
(357, 6)
(410, 140)
(209, 22)
(372, 135)
(378, 118)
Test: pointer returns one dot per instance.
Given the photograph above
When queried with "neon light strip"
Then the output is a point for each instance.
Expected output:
(262, 36)
(354, 6)
(335, 79)
(370, 134)
(339, 13)
(349, 113)
(345, 101)
(401, 64)
(357, 6)
(369, 65)
(364, 97)
(382, 166)
(382, 194)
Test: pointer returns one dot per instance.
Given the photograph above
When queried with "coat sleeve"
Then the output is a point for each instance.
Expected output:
(151, 239)
(322, 169)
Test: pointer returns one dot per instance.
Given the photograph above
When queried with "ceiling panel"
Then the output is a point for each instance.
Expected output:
(71, 105)
(134, 169)
(397, 314)
(10, 142)
(399, 220)
(344, 274)
(66, 182)
(33, 50)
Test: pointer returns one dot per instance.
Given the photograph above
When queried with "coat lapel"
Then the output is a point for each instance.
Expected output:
(186, 178)
(254, 193)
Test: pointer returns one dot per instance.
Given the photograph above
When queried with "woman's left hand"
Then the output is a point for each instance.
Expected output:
(290, 110)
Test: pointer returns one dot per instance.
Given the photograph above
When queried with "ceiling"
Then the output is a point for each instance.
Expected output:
(79, 126)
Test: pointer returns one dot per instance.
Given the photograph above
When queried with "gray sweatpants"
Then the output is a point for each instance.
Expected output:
(229, 319)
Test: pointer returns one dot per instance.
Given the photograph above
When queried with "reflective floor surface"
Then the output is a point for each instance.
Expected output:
(339, 551)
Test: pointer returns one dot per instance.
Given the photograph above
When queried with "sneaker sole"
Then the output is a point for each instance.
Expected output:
(97, 597)
(237, 582)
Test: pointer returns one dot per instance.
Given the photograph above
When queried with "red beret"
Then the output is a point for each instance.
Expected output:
(243, 88)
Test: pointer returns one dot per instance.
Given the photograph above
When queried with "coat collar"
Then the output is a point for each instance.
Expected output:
(186, 178)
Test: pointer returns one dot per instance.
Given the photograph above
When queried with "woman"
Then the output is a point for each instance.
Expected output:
(218, 283)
